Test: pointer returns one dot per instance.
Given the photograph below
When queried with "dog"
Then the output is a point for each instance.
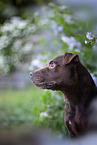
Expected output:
(65, 73)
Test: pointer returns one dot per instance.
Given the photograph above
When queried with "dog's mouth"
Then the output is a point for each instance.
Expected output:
(44, 85)
(41, 83)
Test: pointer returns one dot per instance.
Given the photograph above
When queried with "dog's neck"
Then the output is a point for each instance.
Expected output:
(81, 97)
(83, 90)
(71, 97)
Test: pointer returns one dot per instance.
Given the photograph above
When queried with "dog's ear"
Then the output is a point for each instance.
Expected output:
(69, 57)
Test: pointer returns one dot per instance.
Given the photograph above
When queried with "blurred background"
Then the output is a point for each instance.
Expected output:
(31, 33)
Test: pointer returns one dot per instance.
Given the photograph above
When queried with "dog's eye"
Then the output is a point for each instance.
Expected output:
(52, 65)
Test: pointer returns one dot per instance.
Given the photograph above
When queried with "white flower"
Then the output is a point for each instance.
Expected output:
(30, 29)
(35, 63)
(86, 42)
(17, 44)
(54, 27)
(22, 24)
(89, 36)
(38, 62)
(16, 33)
(63, 7)
(48, 106)
(27, 47)
(1, 60)
(4, 41)
(17, 22)
(67, 18)
(43, 22)
(78, 45)
(71, 42)
(14, 24)
(44, 114)
(60, 28)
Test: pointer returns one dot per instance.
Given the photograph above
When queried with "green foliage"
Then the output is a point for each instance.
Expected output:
(51, 112)
(21, 2)
(47, 110)
(11, 8)
(73, 36)
(15, 43)
(16, 107)
(28, 107)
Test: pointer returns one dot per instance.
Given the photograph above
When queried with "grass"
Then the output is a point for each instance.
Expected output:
(16, 107)
(27, 108)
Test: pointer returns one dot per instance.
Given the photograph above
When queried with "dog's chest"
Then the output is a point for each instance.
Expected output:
(77, 118)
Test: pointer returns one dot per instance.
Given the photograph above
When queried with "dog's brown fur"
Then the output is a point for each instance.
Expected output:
(67, 74)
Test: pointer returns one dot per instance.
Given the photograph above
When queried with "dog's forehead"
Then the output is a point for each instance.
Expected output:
(58, 58)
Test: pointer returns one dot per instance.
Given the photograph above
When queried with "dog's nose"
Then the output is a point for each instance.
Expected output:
(31, 74)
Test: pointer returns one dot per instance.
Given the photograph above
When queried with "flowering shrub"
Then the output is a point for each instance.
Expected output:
(51, 112)
(73, 37)
(15, 43)
(70, 34)
(38, 62)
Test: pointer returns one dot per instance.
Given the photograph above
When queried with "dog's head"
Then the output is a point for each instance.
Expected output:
(60, 72)
(67, 74)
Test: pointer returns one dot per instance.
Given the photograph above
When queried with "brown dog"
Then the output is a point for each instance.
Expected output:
(67, 74)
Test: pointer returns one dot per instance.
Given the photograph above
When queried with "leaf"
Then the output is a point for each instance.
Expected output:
(52, 4)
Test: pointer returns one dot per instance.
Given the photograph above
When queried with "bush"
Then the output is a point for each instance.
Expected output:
(51, 112)
(15, 43)
(74, 37)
